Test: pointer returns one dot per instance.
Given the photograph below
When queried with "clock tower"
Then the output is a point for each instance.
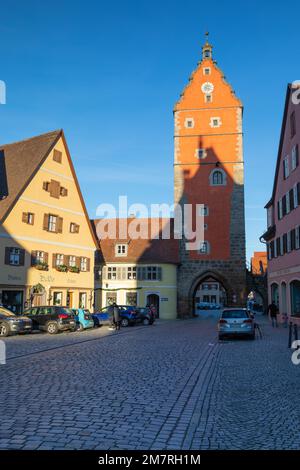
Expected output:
(209, 170)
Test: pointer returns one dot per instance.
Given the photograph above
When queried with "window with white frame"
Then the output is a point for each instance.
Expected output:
(204, 211)
(189, 123)
(297, 241)
(288, 206)
(52, 223)
(39, 257)
(83, 264)
(206, 71)
(14, 256)
(59, 260)
(215, 122)
(204, 248)
(112, 273)
(72, 261)
(208, 98)
(295, 157)
(217, 178)
(286, 168)
(201, 153)
(121, 249)
(131, 272)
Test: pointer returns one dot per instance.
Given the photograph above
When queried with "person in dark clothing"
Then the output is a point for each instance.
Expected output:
(117, 318)
(273, 310)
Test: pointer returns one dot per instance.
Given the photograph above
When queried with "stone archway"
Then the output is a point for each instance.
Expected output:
(223, 293)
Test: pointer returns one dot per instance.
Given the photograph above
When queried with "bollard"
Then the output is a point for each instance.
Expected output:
(290, 334)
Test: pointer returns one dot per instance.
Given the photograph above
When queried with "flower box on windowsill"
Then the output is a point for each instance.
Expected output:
(42, 266)
(62, 268)
(74, 269)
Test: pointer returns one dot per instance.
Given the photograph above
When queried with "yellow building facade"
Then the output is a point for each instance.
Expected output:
(47, 244)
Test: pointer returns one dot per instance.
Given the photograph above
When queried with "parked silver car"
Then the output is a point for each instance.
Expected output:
(236, 322)
(11, 323)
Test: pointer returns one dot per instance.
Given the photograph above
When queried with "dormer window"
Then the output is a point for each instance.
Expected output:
(207, 71)
(121, 249)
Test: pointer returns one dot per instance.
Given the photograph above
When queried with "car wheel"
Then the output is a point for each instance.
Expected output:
(52, 328)
(125, 322)
(146, 321)
(4, 329)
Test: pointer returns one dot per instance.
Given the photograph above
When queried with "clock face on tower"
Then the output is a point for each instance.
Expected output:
(207, 87)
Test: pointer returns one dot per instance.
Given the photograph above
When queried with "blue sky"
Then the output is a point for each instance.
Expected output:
(109, 73)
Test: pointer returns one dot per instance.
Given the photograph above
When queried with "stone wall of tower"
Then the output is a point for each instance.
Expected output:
(226, 262)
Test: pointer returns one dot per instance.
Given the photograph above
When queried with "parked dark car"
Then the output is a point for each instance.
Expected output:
(11, 323)
(128, 316)
(51, 318)
(145, 316)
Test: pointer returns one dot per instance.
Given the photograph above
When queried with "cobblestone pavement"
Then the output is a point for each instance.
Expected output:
(167, 386)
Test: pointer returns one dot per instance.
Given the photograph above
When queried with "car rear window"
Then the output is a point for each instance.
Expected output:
(235, 314)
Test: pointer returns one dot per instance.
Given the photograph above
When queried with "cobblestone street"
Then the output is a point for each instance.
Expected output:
(167, 386)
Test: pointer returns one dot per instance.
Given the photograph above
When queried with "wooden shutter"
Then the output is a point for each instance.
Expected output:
(55, 189)
(46, 257)
(88, 264)
(54, 260)
(46, 222)
(7, 255)
(66, 260)
(25, 217)
(78, 262)
(46, 185)
(63, 191)
(57, 156)
(59, 225)
(22, 257)
(33, 258)
(77, 228)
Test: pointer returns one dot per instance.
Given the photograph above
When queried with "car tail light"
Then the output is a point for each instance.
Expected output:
(63, 316)
(222, 321)
(247, 321)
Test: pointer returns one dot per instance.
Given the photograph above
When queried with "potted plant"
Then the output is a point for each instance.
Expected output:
(42, 266)
(38, 289)
(74, 269)
(62, 268)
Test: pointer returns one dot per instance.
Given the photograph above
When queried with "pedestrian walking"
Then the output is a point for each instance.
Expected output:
(273, 310)
(110, 312)
(117, 318)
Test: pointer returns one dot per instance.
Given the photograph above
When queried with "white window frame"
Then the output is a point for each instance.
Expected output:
(286, 167)
(187, 121)
(59, 259)
(289, 247)
(297, 237)
(205, 70)
(40, 257)
(83, 264)
(72, 261)
(201, 153)
(212, 123)
(294, 158)
(288, 207)
(280, 209)
(121, 249)
(52, 223)
(208, 98)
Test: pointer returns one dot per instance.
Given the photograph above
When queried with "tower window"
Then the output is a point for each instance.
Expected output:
(189, 123)
(215, 122)
(207, 53)
(201, 153)
(204, 211)
(207, 71)
(204, 248)
(208, 98)
(217, 178)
